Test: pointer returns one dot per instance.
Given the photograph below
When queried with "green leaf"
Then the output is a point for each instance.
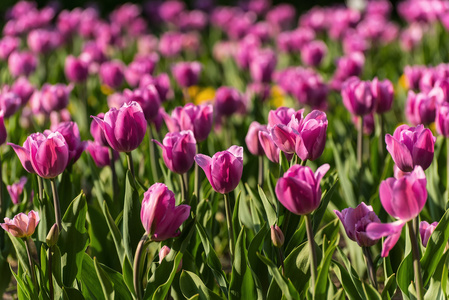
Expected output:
(355, 278)
(73, 239)
(192, 287)
(22, 288)
(323, 271)
(297, 266)
(257, 271)
(106, 284)
(371, 292)
(72, 294)
(327, 195)
(115, 232)
(212, 260)
(6, 273)
(239, 284)
(128, 274)
(270, 211)
(388, 283)
(346, 281)
(235, 216)
(132, 225)
(21, 252)
(120, 290)
(435, 248)
(91, 286)
(405, 273)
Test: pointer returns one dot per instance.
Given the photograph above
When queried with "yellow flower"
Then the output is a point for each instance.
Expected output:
(200, 95)
(276, 96)
(106, 90)
(403, 82)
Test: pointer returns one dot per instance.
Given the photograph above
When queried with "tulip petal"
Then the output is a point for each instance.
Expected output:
(295, 195)
(423, 149)
(237, 151)
(400, 153)
(24, 157)
(205, 163)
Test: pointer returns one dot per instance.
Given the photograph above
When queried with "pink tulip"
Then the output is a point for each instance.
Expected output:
(420, 108)
(411, 146)
(3, 133)
(141, 65)
(357, 96)
(252, 138)
(224, 169)
(43, 40)
(178, 150)
(71, 134)
(227, 101)
(269, 147)
(8, 44)
(15, 190)
(159, 215)
(285, 136)
(100, 154)
(76, 69)
(23, 88)
(403, 199)
(187, 73)
(162, 84)
(262, 65)
(312, 54)
(413, 76)
(383, 94)
(299, 190)
(55, 97)
(22, 226)
(283, 115)
(442, 119)
(147, 98)
(197, 118)
(9, 103)
(311, 139)
(163, 253)
(426, 230)
(111, 73)
(170, 44)
(355, 222)
(97, 132)
(124, 128)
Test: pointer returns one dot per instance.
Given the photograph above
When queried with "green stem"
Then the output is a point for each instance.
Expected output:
(141, 247)
(360, 143)
(412, 226)
(183, 184)
(304, 162)
(197, 175)
(130, 163)
(281, 259)
(56, 203)
(261, 171)
(230, 227)
(30, 259)
(40, 185)
(371, 268)
(152, 154)
(382, 136)
(50, 276)
(115, 185)
(312, 253)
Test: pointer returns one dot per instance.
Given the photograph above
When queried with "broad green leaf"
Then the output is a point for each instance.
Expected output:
(259, 273)
(72, 294)
(73, 239)
(323, 271)
(115, 232)
(239, 282)
(388, 283)
(128, 274)
(235, 216)
(371, 292)
(21, 252)
(22, 287)
(132, 225)
(91, 286)
(297, 266)
(355, 278)
(405, 273)
(192, 287)
(346, 281)
(270, 211)
(106, 284)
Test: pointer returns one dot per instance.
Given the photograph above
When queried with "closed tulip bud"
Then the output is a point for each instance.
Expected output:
(383, 94)
(52, 236)
(277, 237)
(43, 40)
(227, 101)
(3, 133)
(413, 76)
(299, 189)
(355, 220)
(442, 119)
(224, 169)
(97, 132)
(100, 154)
(55, 97)
(76, 69)
(124, 128)
(197, 118)
(312, 136)
(357, 96)
(164, 252)
(411, 146)
(71, 134)
(23, 88)
(15, 190)
(262, 66)
(162, 84)
(420, 108)
(252, 138)
(142, 65)
(187, 73)
(159, 215)
(312, 54)
(8, 44)
(9, 103)
(426, 230)
(178, 150)
(148, 99)
(22, 63)
(22, 225)
(111, 73)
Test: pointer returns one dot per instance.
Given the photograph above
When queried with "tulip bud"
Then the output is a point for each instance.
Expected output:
(252, 138)
(227, 101)
(187, 73)
(22, 226)
(426, 230)
(111, 73)
(277, 237)
(313, 53)
(178, 150)
(357, 96)
(16, 189)
(53, 235)
(76, 69)
(383, 94)
(164, 252)
(141, 66)
(9, 103)
(23, 88)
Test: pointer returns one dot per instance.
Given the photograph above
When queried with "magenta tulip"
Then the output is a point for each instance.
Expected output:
(312, 53)
(355, 220)
(283, 115)
(224, 169)
(23, 88)
(383, 94)
(159, 215)
(9, 103)
(187, 73)
(100, 154)
(262, 65)
(111, 73)
(148, 99)
(357, 96)
(269, 147)
(299, 189)
(411, 146)
(178, 150)
(22, 63)
(420, 108)
(227, 101)
(197, 118)
(3, 133)
(15, 190)
(22, 225)
(252, 138)
(76, 69)
(97, 132)
(55, 97)
(285, 136)
(442, 119)
(426, 230)
(403, 199)
(312, 136)
(140, 66)
(71, 134)
(124, 128)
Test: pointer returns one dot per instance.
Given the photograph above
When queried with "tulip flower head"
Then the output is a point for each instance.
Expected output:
(3, 133)
(76, 69)
(442, 119)
(403, 199)
(411, 146)
(187, 73)
(178, 150)
(299, 189)
(383, 94)
(224, 169)
(355, 221)
(312, 136)
(252, 138)
(357, 96)
(124, 128)
(159, 215)
(227, 101)
(100, 154)
(22, 225)
(426, 230)
(16, 189)
(71, 134)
